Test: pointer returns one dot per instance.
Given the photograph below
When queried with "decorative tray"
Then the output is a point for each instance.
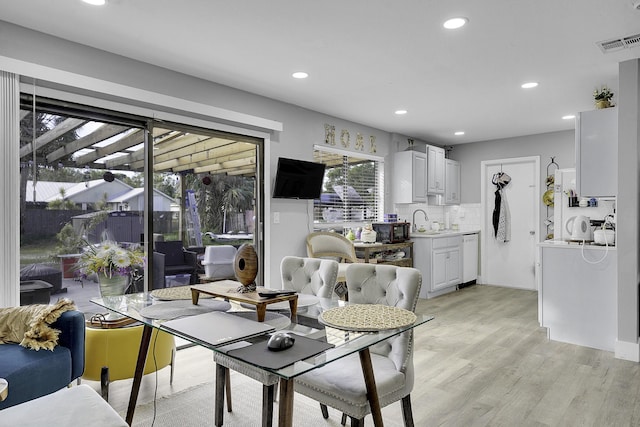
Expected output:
(101, 321)
(367, 317)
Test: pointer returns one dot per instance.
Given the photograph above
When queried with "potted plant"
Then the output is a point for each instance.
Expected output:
(69, 247)
(602, 97)
(113, 265)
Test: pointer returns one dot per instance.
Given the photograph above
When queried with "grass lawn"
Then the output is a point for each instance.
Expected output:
(42, 252)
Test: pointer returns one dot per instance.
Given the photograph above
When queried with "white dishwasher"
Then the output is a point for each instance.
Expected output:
(469, 259)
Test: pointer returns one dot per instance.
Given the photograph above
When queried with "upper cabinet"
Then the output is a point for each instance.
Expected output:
(409, 177)
(435, 170)
(597, 153)
(452, 182)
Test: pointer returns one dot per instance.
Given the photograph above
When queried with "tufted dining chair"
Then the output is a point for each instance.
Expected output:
(341, 385)
(304, 275)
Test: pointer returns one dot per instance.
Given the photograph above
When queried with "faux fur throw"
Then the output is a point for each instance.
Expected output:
(29, 325)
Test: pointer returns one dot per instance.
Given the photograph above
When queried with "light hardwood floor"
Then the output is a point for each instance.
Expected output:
(483, 361)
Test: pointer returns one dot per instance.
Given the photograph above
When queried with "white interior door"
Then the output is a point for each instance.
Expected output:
(512, 263)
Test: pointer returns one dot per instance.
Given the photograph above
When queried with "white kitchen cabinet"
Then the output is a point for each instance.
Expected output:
(578, 297)
(409, 177)
(452, 182)
(597, 153)
(435, 170)
(439, 259)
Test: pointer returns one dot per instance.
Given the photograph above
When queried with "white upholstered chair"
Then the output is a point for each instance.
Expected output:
(340, 384)
(304, 275)
(331, 245)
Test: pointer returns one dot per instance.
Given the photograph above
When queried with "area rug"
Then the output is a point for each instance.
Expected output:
(194, 407)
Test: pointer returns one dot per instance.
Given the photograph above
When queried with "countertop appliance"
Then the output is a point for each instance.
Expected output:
(392, 232)
(579, 227)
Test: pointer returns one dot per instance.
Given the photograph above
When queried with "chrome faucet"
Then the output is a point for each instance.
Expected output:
(426, 218)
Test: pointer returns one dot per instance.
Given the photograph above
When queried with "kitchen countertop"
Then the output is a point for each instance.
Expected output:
(567, 245)
(443, 233)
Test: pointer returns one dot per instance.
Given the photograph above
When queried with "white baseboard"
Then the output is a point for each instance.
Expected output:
(627, 351)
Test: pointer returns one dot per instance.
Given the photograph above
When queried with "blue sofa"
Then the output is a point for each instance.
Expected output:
(32, 374)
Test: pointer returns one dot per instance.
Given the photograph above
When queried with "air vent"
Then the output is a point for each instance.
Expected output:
(615, 45)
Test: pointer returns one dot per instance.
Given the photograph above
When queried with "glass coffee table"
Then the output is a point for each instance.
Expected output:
(344, 343)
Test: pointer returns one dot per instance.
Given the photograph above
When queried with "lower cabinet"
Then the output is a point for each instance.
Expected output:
(439, 258)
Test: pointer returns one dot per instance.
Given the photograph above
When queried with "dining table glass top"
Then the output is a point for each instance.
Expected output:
(305, 323)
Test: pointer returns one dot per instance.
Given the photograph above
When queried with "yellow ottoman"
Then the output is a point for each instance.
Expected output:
(111, 354)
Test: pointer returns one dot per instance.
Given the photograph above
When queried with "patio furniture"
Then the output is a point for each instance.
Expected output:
(35, 292)
(218, 262)
(46, 273)
(171, 259)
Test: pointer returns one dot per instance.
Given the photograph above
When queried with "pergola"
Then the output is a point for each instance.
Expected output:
(117, 147)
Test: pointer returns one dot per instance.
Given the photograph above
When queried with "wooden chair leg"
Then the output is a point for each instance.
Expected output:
(343, 420)
(227, 385)
(407, 414)
(221, 374)
(355, 422)
(268, 395)
(104, 383)
(324, 410)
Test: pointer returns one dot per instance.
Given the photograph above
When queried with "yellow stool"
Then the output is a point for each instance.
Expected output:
(111, 354)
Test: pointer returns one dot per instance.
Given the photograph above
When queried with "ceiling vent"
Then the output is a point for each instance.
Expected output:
(615, 45)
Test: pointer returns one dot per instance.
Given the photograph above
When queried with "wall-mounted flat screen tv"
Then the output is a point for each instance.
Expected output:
(298, 179)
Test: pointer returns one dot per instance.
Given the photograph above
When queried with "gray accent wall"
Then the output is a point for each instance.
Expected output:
(558, 144)
(628, 234)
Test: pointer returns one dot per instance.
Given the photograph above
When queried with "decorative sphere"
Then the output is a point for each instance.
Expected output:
(245, 264)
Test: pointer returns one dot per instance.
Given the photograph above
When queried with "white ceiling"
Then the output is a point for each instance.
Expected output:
(368, 58)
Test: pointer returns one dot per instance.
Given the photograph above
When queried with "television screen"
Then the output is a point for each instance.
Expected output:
(298, 179)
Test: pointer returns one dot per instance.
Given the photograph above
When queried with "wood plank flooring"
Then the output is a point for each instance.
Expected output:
(483, 361)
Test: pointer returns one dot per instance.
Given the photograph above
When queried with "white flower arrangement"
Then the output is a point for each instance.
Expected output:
(110, 259)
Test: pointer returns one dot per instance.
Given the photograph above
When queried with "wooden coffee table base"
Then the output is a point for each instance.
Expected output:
(227, 289)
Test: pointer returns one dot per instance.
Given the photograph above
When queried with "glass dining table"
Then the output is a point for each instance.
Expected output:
(305, 323)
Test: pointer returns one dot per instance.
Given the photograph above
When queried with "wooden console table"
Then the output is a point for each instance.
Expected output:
(370, 249)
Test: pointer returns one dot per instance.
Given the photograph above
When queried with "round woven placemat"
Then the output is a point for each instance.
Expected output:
(367, 317)
(175, 293)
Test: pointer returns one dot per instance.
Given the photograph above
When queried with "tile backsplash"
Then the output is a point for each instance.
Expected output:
(466, 215)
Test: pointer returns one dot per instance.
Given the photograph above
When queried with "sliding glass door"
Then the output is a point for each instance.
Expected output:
(89, 176)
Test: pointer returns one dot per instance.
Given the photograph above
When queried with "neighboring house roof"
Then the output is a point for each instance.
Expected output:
(47, 190)
(136, 192)
(94, 191)
(117, 191)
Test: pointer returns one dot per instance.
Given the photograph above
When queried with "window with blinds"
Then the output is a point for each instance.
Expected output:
(353, 185)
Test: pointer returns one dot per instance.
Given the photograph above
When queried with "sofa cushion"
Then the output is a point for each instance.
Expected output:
(33, 373)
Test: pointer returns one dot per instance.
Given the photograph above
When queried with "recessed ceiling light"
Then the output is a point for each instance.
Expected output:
(568, 117)
(401, 112)
(96, 2)
(300, 75)
(453, 23)
(459, 133)
(529, 85)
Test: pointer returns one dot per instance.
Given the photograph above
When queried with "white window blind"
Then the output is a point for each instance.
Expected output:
(352, 190)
